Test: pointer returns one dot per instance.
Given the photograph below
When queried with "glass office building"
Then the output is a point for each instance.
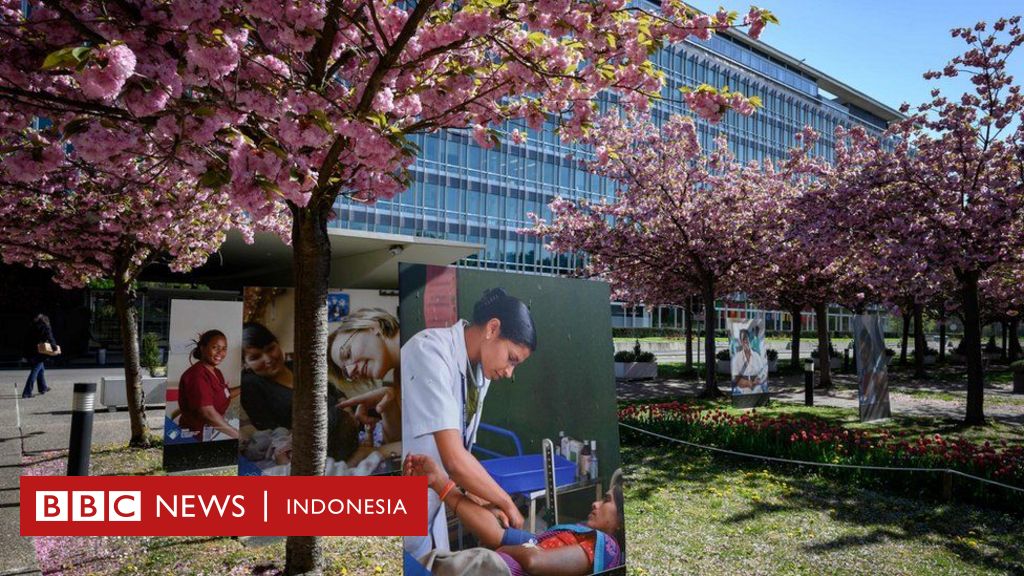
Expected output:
(465, 193)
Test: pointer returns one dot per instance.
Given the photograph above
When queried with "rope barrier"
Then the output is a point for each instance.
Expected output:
(822, 464)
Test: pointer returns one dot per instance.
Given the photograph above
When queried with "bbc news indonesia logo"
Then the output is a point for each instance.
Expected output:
(223, 506)
(88, 506)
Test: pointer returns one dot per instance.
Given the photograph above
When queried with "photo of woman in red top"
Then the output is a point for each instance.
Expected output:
(204, 395)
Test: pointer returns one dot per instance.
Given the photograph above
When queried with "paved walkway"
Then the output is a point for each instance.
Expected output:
(39, 424)
(905, 395)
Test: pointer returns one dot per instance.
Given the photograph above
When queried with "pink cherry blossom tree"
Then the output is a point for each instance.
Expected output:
(960, 162)
(286, 103)
(952, 177)
(681, 220)
(1002, 297)
(84, 223)
(823, 259)
(799, 279)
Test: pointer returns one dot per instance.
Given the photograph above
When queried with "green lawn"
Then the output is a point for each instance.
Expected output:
(690, 513)
(687, 513)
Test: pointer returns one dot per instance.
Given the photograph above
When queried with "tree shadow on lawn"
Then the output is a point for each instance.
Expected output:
(981, 536)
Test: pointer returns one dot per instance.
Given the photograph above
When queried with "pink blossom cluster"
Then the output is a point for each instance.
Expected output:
(106, 72)
(214, 86)
(713, 104)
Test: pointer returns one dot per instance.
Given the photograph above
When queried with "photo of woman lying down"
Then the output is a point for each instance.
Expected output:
(563, 550)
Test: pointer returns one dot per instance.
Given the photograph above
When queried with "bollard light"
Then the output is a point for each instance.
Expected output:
(809, 382)
(80, 444)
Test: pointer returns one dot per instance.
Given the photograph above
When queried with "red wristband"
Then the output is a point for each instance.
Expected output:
(447, 490)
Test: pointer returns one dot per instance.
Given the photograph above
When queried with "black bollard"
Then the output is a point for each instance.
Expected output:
(809, 382)
(846, 360)
(81, 429)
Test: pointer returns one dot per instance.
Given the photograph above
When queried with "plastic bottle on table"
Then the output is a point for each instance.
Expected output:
(583, 470)
(593, 460)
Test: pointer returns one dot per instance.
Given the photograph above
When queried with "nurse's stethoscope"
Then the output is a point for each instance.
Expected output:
(470, 427)
(474, 423)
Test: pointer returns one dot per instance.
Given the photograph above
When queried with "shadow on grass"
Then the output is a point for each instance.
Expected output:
(980, 536)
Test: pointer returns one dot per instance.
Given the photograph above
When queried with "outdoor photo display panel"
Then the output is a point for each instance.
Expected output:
(201, 414)
(872, 368)
(749, 362)
(563, 390)
(362, 365)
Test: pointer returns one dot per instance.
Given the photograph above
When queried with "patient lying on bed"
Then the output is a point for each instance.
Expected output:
(564, 550)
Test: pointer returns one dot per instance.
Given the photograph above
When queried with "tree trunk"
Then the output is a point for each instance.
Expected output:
(972, 346)
(1014, 340)
(794, 357)
(1003, 349)
(710, 389)
(919, 343)
(906, 335)
(124, 302)
(311, 250)
(942, 337)
(825, 370)
(688, 321)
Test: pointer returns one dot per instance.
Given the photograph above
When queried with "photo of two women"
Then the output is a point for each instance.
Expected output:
(364, 410)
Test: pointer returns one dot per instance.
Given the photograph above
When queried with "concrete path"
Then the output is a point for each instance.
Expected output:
(39, 424)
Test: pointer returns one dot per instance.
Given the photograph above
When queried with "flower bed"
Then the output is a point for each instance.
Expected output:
(814, 440)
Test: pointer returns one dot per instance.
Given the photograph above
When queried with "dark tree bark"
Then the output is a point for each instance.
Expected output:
(710, 389)
(972, 346)
(794, 357)
(919, 343)
(942, 337)
(688, 322)
(124, 302)
(1015, 340)
(312, 259)
(824, 368)
(1003, 350)
(906, 335)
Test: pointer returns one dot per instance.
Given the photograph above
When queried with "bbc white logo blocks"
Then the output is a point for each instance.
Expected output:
(51, 506)
(125, 506)
(89, 506)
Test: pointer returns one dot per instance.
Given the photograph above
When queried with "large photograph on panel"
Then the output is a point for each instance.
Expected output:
(202, 411)
(364, 410)
(872, 368)
(749, 364)
(493, 364)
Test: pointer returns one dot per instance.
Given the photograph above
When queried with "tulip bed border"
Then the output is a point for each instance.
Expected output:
(927, 466)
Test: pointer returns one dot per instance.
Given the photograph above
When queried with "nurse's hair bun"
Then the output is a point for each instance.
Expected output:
(489, 299)
(516, 321)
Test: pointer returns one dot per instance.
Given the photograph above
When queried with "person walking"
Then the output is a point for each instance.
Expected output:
(42, 345)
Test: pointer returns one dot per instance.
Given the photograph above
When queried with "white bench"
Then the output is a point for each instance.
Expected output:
(113, 394)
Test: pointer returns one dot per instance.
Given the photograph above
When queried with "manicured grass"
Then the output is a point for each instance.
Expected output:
(990, 400)
(945, 372)
(691, 513)
(677, 370)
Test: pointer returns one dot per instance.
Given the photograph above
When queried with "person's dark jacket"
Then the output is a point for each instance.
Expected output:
(39, 332)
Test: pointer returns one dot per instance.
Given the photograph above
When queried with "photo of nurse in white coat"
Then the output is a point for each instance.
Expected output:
(445, 374)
